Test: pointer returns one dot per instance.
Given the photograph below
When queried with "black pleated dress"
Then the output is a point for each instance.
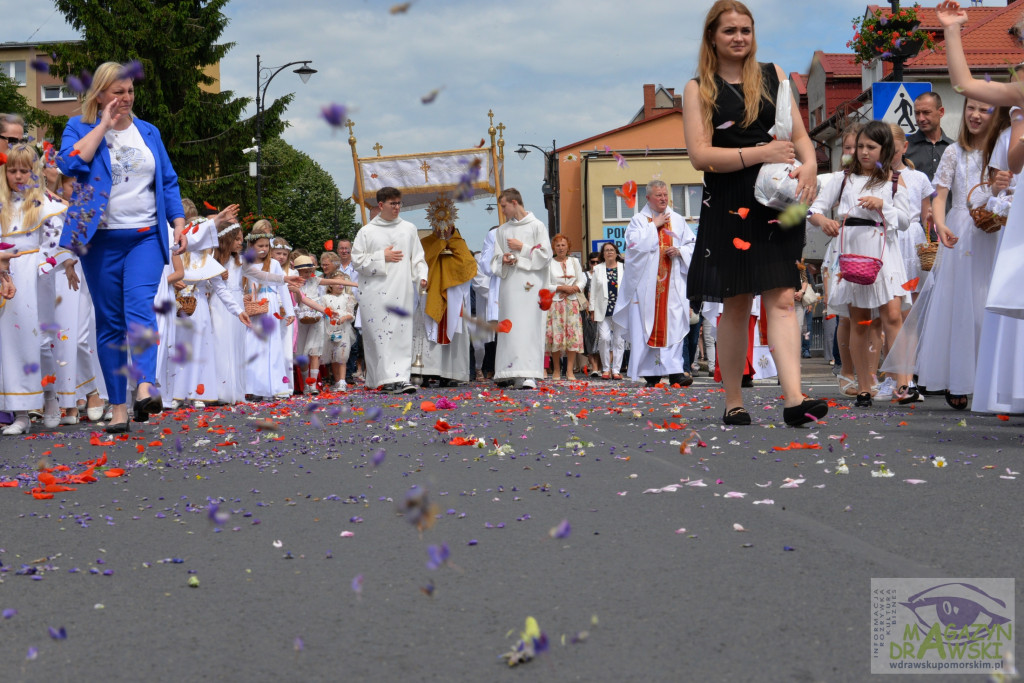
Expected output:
(719, 269)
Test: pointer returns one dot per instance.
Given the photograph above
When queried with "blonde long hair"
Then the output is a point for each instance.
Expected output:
(33, 197)
(105, 76)
(707, 67)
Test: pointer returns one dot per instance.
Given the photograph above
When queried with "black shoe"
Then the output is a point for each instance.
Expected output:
(864, 400)
(504, 383)
(683, 379)
(151, 405)
(405, 388)
(652, 381)
(736, 416)
(446, 383)
(118, 428)
(748, 381)
(810, 410)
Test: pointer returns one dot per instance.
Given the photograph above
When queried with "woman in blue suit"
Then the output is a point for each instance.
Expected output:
(126, 195)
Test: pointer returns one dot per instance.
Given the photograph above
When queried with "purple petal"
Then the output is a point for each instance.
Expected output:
(562, 530)
(334, 114)
(133, 70)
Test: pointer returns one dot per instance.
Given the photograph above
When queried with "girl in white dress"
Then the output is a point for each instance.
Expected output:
(30, 223)
(920, 190)
(339, 333)
(281, 251)
(999, 380)
(945, 325)
(266, 374)
(230, 352)
(203, 281)
(830, 271)
(874, 205)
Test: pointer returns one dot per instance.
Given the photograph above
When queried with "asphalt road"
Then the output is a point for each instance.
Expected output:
(313, 569)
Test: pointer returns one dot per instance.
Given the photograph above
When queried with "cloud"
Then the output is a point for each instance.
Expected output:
(549, 69)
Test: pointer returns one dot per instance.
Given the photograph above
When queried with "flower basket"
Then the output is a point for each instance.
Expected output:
(985, 220)
(889, 36)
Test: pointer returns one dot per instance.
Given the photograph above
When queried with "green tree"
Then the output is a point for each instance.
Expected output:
(174, 40)
(13, 102)
(302, 198)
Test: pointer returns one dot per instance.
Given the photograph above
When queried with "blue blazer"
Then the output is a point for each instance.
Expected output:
(89, 202)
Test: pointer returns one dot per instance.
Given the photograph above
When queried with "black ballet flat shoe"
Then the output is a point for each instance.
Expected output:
(811, 410)
(736, 416)
(863, 400)
(956, 401)
(118, 428)
(151, 405)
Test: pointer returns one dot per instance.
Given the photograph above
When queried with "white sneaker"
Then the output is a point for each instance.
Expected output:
(529, 383)
(885, 389)
(339, 386)
(21, 425)
(175, 404)
(198, 405)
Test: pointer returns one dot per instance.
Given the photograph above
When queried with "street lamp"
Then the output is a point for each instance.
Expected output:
(304, 72)
(550, 186)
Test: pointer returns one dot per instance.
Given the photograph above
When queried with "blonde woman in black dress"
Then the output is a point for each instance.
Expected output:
(740, 252)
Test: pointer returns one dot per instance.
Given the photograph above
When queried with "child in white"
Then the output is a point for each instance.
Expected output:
(945, 325)
(339, 334)
(30, 223)
(874, 206)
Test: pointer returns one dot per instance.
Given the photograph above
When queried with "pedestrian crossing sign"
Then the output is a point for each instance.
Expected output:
(894, 103)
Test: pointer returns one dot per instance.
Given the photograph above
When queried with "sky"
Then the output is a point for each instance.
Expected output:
(560, 70)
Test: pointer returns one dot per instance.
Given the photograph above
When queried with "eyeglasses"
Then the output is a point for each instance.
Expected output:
(396, 204)
(594, 262)
(12, 140)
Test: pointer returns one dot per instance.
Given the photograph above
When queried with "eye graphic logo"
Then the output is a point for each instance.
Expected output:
(966, 613)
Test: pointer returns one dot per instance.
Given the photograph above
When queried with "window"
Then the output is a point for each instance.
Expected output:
(615, 208)
(686, 200)
(56, 93)
(14, 70)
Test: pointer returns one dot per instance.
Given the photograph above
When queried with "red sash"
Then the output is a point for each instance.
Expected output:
(442, 328)
(659, 333)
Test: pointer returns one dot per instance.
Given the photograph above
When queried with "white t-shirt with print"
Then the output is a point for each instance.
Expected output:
(132, 171)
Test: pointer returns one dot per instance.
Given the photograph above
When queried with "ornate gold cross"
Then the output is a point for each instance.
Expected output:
(351, 124)
(377, 147)
(425, 167)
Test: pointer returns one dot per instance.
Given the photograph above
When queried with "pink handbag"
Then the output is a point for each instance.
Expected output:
(858, 268)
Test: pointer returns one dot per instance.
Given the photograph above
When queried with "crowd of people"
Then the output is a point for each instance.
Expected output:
(112, 286)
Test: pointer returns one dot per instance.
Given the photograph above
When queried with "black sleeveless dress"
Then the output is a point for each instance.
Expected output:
(719, 269)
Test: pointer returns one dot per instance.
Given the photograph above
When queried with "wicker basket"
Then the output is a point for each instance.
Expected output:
(926, 252)
(186, 304)
(985, 220)
(255, 306)
(310, 320)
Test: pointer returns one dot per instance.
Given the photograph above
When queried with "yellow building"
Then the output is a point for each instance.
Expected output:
(651, 146)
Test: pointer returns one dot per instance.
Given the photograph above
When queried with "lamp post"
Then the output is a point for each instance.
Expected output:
(550, 186)
(304, 72)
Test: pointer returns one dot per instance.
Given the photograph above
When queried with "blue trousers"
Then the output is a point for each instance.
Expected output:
(123, 269)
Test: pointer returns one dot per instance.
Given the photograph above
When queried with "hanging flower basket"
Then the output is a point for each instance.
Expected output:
(886, 35)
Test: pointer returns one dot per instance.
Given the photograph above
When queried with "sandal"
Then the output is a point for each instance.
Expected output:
(906, 395)
(736, 416)
(956, 401)
(847, 385)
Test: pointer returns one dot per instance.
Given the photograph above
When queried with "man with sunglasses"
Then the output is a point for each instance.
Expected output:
(12, 131)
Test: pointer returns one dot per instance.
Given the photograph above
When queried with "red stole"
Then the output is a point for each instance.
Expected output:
(659, 333)
(442, 328)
